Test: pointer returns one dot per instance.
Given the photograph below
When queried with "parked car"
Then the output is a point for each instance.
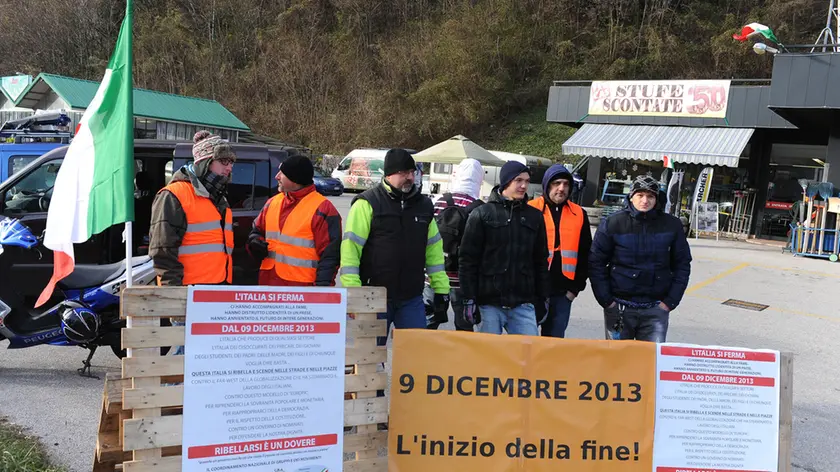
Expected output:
(26, 195)
(328, 186)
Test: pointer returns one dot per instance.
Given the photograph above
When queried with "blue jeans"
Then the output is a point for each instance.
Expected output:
(641, 324)
(559, 310)
(517, 320)
(406, 314)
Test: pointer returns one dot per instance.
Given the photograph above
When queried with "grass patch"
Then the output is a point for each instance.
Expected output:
(20, 452)
(529, 133)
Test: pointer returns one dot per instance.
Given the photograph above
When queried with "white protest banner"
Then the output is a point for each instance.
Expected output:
(264, 379)
(717, 409)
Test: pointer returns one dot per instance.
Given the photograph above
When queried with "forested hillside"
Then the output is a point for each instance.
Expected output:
(336, 74)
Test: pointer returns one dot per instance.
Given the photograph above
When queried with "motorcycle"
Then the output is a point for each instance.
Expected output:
(84, 312)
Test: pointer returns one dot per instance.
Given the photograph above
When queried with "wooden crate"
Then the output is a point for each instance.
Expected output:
(151, 435)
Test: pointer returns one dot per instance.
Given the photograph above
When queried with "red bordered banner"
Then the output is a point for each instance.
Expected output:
(723, 379)
(268, 445)
(727, 354)
(244, 296)
(264, 328)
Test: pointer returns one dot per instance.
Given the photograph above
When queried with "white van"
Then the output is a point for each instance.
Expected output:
(364, 168)
(361, 169)
(441, 174)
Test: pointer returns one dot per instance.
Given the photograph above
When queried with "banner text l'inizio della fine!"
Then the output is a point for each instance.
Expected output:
(504, 403)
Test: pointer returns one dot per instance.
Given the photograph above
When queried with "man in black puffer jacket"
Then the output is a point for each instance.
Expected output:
(639, 266)
(503, 263)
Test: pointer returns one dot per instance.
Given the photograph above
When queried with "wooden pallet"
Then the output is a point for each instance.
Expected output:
(141, 422)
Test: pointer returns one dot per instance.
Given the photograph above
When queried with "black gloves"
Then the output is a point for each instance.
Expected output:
(436, 312)
(441, 303)
(470, 313)
(257, 247)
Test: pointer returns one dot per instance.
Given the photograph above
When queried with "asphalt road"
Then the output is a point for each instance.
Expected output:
(39, 387)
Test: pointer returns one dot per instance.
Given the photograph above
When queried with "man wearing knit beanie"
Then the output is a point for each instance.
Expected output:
(639, 266)
(510, 171)
(392, 241)
(297, 235)
(195, 192)
(503, 263)
(182, 253)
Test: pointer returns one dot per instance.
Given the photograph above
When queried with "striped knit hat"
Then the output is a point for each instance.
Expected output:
(210, 146)
(645, 183)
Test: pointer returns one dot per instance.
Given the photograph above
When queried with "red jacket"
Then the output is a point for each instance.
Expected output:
(326, 227)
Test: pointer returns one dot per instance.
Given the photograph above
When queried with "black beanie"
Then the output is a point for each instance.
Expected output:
(510, 171)
(298, 169)
(398, 160)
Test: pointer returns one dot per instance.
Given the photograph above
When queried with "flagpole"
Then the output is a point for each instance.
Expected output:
(129, 224)
(129, 243)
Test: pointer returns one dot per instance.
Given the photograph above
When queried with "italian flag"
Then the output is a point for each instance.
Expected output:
(94, 189)
(753, 29)
(667, 162)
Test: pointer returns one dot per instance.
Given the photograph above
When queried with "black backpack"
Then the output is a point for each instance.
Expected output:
(451, 222)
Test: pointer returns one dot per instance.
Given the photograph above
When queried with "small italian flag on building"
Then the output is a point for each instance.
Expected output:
(94, 189)
(667, 162)
(753, 29)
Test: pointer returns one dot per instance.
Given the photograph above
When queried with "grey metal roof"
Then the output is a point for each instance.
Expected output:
(708, 146)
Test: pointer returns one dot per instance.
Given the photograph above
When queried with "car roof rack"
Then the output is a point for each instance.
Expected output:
(50, 127)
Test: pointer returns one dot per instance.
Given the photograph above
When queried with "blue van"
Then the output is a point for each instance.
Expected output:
(24, 140)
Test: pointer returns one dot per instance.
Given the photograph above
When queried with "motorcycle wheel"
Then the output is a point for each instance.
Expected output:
(118, 351)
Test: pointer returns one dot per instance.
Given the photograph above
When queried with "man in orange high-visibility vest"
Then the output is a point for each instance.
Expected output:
(569, 240)
(191, 234)
(297, 236)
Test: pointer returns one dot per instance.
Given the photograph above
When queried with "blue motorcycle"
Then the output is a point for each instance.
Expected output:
(85, 310)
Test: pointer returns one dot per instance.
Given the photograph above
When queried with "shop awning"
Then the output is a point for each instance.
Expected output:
(707, 146)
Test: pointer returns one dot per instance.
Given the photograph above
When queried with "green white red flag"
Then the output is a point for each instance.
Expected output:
(94, 189)
(753, 29)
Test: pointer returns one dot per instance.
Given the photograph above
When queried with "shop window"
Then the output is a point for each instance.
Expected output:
(442, 168)
(145, 128)
(32, 193)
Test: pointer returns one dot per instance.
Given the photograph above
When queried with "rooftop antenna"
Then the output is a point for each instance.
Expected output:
(827, 35)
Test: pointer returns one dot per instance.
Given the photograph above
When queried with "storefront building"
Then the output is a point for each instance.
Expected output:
(760, 137)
